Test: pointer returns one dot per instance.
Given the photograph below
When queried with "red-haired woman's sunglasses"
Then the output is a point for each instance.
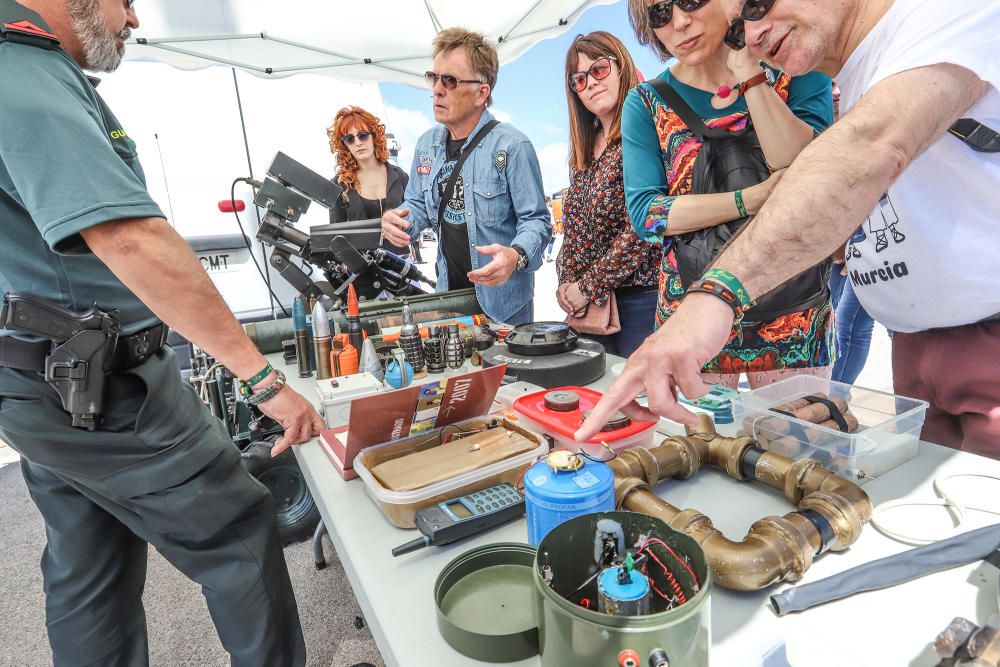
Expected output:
(349, 139)
(599, 69)
(753, 10)
(660, 13)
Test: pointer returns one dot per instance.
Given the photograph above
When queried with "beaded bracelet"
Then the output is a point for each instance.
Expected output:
(733, 283)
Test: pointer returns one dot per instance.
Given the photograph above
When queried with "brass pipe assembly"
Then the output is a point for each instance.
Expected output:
(831, 510)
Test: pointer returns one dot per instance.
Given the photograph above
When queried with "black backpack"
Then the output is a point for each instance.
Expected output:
(730, 161)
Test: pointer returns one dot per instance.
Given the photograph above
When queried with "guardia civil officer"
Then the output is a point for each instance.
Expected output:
(80, 228)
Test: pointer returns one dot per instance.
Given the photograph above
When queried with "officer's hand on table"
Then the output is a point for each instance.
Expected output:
(393, 225)
(499, 269)
(296, 415)
(670, 359)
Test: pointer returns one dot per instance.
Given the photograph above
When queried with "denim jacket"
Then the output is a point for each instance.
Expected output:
(505, 205)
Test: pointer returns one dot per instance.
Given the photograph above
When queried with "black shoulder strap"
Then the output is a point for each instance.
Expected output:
(470, 145)
(686, 113)
(976, 135)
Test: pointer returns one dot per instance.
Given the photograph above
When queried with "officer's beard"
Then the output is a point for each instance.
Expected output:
(101, 50)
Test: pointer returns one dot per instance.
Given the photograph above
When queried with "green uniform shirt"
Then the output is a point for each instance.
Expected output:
(66, 165)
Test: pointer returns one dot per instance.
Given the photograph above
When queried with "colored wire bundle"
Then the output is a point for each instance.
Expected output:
(675, 587)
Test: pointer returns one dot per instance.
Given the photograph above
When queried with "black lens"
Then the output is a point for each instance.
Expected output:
(736, 35)
(660, 13)
(755, 10)
(689, 6)
(363, 136)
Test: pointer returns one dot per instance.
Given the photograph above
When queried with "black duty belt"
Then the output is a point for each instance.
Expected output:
(130, 351)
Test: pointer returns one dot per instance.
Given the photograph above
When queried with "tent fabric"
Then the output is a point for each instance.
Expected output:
(361, 41)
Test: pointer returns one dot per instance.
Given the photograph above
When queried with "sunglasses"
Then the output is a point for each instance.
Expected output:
(599, 69)
(661, 13)
(348, 139)
(449, 81)
(753, 10)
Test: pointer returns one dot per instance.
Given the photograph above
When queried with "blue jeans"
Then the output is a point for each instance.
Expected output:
(637, 314)
(854, 329)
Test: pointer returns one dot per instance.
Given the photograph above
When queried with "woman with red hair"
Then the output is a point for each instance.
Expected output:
(371, 184)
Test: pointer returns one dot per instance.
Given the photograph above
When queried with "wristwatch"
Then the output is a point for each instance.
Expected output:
(767, 75)
(522, 257)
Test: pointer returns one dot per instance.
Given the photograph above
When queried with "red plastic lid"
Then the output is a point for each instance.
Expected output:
(566, 423)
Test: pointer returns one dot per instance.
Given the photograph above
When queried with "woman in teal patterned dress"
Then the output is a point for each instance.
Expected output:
(659, 155)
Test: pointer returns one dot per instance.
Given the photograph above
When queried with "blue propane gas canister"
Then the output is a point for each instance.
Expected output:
(564, 486)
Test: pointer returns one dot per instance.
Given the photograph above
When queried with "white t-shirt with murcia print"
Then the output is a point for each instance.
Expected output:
(929, 254)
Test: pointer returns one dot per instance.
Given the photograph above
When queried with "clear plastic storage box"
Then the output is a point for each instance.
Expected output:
(399, 507)
(887, 435)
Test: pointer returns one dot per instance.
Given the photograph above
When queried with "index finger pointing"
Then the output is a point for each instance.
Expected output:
(621, 392)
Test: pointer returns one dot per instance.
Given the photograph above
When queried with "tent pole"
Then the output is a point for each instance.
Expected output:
(246, 147)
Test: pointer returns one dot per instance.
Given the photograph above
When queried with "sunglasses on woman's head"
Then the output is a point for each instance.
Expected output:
(660, 13)
(348, 139)
(449, 81)
(753, 10)
(599, 69)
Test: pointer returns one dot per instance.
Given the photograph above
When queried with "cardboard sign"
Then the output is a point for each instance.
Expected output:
(421, 407)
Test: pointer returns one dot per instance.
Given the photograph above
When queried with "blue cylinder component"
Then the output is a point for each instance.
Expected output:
(552, 497)
(636, 588)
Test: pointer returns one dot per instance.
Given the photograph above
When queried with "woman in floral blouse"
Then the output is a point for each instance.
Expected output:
(600, 252)
(660, 153)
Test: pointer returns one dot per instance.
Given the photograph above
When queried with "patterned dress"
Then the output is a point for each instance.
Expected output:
(600, 250)
(660, 153)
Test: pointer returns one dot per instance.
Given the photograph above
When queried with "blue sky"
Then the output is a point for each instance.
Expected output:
(530, 94)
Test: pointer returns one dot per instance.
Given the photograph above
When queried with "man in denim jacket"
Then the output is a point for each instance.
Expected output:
(494, 229)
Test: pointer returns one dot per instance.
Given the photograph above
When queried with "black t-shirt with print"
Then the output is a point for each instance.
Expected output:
(454, 233)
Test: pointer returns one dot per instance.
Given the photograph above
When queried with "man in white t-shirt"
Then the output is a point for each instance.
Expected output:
(923, 207)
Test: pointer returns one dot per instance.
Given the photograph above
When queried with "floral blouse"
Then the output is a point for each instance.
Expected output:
(600, 250)
(661, 151)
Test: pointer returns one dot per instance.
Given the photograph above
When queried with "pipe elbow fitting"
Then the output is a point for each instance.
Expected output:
(773, 550)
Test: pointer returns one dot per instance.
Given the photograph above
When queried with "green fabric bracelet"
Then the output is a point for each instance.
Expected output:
(733, 283)
(259, 377)
(740, 207)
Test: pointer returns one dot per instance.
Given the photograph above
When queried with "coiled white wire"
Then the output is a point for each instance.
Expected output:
(960, 511)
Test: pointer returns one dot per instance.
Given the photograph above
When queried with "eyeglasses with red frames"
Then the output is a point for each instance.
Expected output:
(599, 69)
(660, 13)
(349, 139)
(449, 81)
(752, 10)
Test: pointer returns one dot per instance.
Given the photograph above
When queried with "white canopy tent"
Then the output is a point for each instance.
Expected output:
(373, 40)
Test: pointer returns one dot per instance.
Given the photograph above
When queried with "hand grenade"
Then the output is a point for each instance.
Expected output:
(410, 341)
(434, 350)
(454, 348)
